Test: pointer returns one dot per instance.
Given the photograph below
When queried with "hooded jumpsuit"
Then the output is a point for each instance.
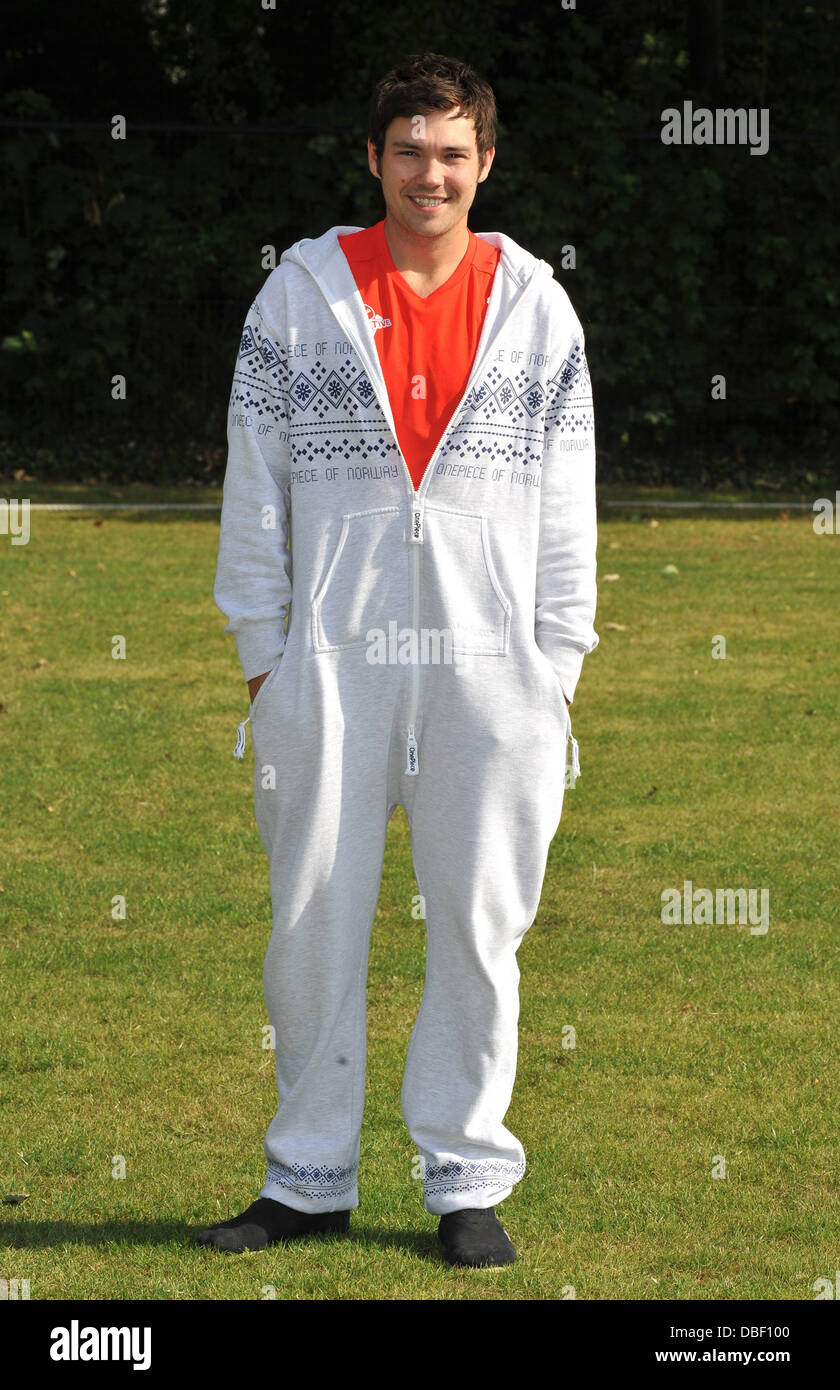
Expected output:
(432, 634)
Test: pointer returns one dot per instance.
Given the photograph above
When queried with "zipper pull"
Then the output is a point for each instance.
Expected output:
(412, 766)
(415, 530)
(239, 750)
(573, 770)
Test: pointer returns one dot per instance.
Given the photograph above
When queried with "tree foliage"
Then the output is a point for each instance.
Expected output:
(246, 128)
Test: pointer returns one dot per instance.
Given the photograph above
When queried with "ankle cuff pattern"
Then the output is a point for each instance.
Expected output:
(313, 1181)
(470, 1175)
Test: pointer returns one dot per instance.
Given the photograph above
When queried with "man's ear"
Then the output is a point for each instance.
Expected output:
(372, 160)
(490, 155)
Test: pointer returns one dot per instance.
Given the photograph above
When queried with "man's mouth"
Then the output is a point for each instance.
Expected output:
(427, 202)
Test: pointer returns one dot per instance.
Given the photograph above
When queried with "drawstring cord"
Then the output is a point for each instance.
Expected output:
(573, 766)
(573, 769)
(239, 750)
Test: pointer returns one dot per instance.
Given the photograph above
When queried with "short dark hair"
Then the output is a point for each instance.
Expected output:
(428, 82)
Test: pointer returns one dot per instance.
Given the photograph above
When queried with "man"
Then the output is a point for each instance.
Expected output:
(411, 470)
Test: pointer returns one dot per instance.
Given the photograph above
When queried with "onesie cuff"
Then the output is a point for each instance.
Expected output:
(259, 645)
(567, 662)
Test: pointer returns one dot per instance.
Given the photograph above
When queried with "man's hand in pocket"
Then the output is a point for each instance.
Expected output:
(254, 684)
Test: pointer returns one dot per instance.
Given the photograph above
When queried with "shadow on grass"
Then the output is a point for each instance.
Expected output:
(34, 1235)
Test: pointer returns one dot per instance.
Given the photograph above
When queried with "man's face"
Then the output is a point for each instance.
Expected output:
(430, 157)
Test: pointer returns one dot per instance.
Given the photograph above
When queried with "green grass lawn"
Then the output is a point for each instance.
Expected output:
(694, 1043)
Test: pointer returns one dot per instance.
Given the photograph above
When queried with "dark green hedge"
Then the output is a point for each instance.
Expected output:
(141, 256)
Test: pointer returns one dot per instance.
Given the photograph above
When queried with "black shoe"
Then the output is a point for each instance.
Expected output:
(266, 1222)
(475, 1237)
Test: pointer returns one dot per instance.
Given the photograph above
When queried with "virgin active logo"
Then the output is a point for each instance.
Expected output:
(376, 320)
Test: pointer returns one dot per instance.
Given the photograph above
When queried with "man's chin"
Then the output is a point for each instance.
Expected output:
(431, 226)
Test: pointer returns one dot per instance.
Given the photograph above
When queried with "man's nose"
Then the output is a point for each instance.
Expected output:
(431, 170)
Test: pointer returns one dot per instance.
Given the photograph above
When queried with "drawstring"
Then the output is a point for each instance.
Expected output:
(573, 768)
(239, 750)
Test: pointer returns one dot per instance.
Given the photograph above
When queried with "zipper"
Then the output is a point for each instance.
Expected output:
(415, 537)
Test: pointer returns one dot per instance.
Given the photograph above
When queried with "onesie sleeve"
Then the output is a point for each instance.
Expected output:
(565, 587)
(253, 584)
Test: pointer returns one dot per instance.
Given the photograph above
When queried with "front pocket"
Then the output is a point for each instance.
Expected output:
(365, 584)
(269, 680)
(560, 699)
(460, 590)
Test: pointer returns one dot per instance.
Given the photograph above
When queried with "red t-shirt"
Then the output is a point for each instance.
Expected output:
(426, 346)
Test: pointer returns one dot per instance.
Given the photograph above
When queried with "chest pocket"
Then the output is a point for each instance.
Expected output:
(365, 584)
(460, 590)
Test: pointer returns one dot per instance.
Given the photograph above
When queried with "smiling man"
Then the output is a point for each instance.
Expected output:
(429, 167)
(411, 450)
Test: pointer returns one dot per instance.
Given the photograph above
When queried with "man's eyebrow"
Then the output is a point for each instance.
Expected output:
(412, 144)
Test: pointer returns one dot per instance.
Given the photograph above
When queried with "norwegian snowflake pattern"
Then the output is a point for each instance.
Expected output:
(469, 1175)
(332, 415)
(313, 1180)
(569, 410)
(260, 378)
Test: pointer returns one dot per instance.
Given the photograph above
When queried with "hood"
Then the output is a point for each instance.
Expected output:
(320, 254)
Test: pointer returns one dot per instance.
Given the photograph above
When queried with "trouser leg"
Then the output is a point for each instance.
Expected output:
(324, 828)
(482, 814)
